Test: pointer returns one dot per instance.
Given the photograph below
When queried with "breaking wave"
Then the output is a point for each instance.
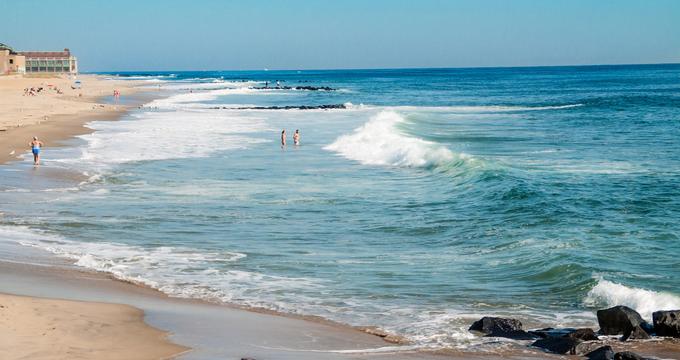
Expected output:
(379, 142)
(607, 293)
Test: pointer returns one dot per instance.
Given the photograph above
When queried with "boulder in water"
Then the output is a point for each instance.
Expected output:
(501, 327)
(667, 323)
(489, 325)
(618, 320)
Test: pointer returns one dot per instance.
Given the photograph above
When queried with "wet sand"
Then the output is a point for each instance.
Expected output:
(215, 331)
(36, 328)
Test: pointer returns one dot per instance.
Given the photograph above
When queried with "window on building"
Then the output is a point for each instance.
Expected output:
(11, 61)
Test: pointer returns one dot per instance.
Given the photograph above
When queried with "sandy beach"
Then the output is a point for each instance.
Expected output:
(35, 328)
(52, 116)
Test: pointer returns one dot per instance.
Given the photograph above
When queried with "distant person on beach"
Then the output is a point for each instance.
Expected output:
(278, 84)
(296, 137)
(35, 145)
(283, 137)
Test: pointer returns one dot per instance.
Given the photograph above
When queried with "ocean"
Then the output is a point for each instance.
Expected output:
(427, 199)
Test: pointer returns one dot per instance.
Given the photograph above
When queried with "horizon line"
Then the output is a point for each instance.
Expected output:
(392, 68)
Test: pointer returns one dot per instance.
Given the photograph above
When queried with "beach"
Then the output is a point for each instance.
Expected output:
(173, 221)
(36, 328)
(50, 115)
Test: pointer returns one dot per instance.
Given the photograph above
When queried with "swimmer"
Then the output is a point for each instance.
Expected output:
(283, 137)
(35, 148)
(296, 137)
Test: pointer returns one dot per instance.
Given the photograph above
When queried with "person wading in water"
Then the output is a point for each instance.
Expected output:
(35, 145)
(296, 137)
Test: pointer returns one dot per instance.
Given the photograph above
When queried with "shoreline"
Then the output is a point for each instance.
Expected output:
(56, 118)
(201, 325)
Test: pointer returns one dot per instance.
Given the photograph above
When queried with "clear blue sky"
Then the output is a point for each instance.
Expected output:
(116, 35)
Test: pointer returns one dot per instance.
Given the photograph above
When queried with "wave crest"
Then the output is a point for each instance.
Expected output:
(643, 301)
(379, 142)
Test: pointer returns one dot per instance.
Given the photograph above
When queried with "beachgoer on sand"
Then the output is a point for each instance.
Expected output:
(35, 145)
(296, 137)
(283, 137)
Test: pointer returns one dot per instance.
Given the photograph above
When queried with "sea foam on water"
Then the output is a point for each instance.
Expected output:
(379, 142)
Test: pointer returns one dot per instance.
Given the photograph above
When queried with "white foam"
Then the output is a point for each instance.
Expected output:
(168, 135)
(210, 274)
(175, 270)
(379, 142)
(215, 84)
(607, 293)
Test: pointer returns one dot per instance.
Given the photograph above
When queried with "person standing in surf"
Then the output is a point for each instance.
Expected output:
(283, 137)
(296, 137)
(35, 145)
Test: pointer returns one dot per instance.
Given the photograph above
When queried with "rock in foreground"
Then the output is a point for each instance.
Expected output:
(667, 323)
(501, 327)
(618, 320)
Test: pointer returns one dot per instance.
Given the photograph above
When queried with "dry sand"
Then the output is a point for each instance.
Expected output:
(51, 116)
(35, 328)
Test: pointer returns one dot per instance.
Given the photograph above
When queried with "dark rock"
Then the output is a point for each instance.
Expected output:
(667, 323)
(584, 334)
(287, 107)
(501, 327)
(558, 345)
(635, 333)
(617, 320)
(308, 88)
(601, 353)
(627, 355)
(489, 325)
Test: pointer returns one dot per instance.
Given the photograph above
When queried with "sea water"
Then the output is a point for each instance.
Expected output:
(435, 197)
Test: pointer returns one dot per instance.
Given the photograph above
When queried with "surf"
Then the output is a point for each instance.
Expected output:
(380, 142)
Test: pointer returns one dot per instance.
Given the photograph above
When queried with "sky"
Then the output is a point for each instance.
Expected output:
(145, 35)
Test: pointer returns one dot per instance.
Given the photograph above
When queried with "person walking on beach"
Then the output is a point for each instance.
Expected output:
(35, 145)
(296, 137)
(283, 137)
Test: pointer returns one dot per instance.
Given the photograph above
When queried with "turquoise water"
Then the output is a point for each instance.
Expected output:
(436, 197)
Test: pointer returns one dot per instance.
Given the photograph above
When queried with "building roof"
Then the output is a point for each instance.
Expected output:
(7, 47)
(46, 54)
